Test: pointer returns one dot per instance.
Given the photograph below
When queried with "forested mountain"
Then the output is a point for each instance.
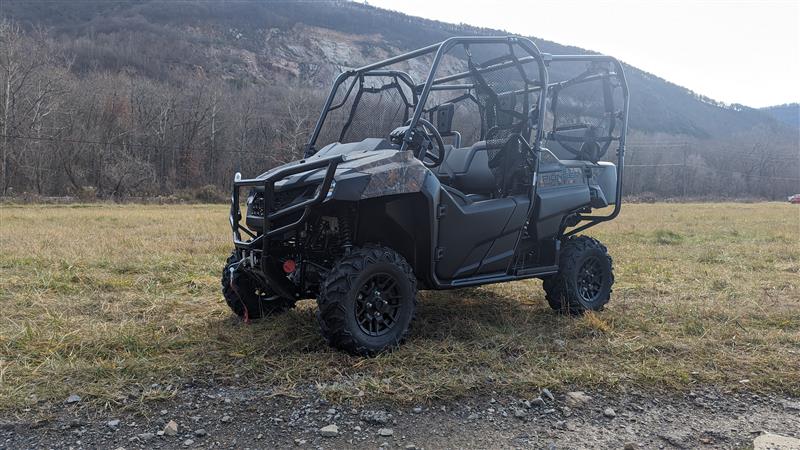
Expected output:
(148, 97)
(786, 113)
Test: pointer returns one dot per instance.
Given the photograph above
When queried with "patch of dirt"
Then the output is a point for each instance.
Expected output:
(213, 416)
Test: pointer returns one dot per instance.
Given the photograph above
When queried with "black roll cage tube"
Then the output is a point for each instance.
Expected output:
(619, 72)
(543, 60)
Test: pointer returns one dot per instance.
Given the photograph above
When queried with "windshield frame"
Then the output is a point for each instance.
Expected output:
(422, 91)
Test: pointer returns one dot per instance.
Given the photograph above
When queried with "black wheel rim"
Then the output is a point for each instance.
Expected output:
(590, 279)
(378, 304)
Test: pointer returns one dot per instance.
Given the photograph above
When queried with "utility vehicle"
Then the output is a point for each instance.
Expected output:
(484, 172)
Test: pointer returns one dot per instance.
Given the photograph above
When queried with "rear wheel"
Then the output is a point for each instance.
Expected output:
(584, 279)
(245, 295)
(368, 301)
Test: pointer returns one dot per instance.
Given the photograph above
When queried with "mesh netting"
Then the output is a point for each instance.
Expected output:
(582, 111)
(374, 107)
(501, 93)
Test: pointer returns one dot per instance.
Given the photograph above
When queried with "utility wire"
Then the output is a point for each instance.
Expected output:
(771, 177)
(653, 165)
(263, 154)
(120, 144)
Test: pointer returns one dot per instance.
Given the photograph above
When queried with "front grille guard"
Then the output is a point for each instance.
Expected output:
(260, 241)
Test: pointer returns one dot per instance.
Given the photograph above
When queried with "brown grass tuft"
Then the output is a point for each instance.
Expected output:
(120, 304)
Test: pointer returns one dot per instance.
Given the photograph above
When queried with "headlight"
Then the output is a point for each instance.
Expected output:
(255, 203)
(329, 194)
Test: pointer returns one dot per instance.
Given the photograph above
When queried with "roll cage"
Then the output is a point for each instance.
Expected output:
(528, 130)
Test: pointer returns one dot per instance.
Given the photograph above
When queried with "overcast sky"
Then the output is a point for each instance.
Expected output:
(735, 51)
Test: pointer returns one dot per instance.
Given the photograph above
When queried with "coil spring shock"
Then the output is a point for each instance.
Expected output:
(345, 231)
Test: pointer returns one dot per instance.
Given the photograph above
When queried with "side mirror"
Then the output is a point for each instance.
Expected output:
(444, 118)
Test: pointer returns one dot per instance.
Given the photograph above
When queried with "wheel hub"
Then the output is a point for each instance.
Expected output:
(378, 304)
(590, 279)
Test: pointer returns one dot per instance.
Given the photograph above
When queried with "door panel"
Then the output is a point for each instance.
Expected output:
(478, 238)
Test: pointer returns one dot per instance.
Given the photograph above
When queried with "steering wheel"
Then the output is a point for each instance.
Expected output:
(587, 146)
(425, 152)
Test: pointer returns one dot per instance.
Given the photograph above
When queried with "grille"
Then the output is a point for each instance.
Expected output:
(280, 199)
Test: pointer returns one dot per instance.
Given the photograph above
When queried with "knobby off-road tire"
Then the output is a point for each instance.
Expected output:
(245, 297)
(584, 279)
(368, 301)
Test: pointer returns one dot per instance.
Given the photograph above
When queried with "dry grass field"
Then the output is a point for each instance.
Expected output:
(118, 303)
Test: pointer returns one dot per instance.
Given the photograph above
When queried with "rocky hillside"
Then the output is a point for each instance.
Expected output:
(236, 50)
(310, 42)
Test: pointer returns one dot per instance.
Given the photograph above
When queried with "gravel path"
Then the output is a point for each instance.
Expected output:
(211, 417)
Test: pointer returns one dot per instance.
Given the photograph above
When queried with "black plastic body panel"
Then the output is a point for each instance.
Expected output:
(478, 238)
(554, 204)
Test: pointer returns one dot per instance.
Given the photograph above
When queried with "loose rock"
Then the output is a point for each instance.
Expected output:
(608, 412)
(171, 428)
(113, 423)
(226, 418)
(146, 436)
(416, 410)
(577, 399)
(386, 432)
(74, 398)
(188, 442)
(538, 401)
(329, 431)
(629, 446)
(375, 417)
(674, 439)
(791, 405)
(519, 413)
(200, 432)
(775, 441)
(546, 392)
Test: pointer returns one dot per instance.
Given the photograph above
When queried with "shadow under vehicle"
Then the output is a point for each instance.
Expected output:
(485, 172)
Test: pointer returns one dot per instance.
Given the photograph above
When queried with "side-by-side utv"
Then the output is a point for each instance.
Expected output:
(482, 173)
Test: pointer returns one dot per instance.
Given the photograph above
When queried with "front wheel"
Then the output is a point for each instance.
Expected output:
(368, 301)
(246, 297)
(584, 278)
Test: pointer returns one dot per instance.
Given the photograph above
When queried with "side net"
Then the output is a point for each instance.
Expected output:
(367, 106)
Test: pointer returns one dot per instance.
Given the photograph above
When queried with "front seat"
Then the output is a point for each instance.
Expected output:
(464, 199)
(466, 171)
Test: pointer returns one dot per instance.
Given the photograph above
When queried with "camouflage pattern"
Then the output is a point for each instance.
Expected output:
(401, 173)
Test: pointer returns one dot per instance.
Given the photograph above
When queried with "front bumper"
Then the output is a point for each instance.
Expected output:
(258, 239)
(255, 247)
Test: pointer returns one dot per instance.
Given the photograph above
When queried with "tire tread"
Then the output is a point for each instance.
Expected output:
(339, 283)
(557, 292)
